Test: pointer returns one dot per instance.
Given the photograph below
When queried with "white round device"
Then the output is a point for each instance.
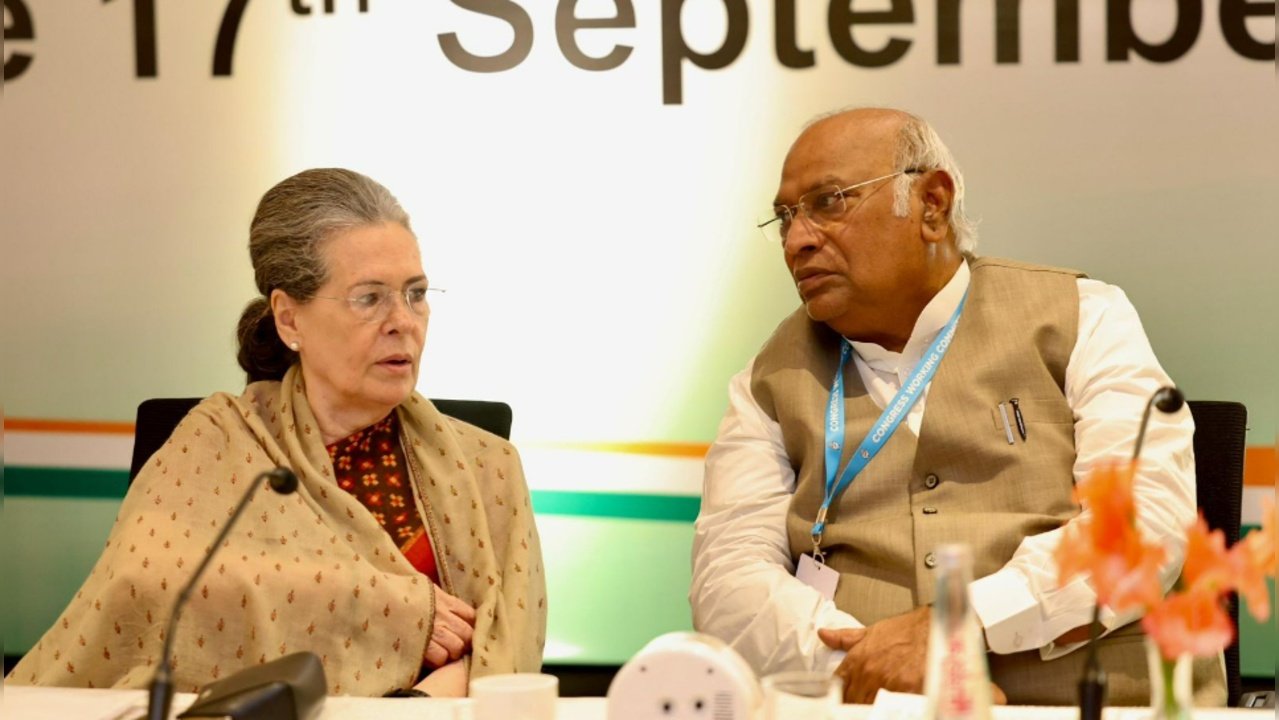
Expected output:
(685, 676)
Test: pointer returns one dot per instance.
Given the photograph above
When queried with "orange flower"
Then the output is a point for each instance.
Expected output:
(1107, 494)
(1208, 565)
(1192, 622)
(1107, 546)
(1267, 532)
(1253, 560)
(1132, 580)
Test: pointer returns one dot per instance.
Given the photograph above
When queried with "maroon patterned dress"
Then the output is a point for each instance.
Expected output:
(371, 466)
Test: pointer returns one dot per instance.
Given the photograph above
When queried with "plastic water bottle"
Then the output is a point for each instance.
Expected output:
(957, 680)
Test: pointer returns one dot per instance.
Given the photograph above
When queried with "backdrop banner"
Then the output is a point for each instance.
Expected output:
(585, 177)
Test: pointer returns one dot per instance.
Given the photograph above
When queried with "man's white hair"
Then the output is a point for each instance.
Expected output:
(919, 147)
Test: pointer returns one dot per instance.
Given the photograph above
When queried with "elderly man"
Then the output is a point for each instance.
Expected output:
(1044, 375)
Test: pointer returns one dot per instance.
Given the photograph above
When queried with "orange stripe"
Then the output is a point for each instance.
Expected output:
(684, 450)
(1259, 462)
(88, 427)
(1259, 467)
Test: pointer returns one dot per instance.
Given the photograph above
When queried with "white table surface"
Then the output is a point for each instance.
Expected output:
(27, 703)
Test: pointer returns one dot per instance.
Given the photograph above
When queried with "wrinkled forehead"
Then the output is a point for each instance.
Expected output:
(836, 152)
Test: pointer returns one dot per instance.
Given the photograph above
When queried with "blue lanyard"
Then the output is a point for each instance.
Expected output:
(883, 429)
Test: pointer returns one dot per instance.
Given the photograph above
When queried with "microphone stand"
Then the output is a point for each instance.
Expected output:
(1093, 686)
(160, 692)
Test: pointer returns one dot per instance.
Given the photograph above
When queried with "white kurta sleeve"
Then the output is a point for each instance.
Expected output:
(1111, 375)
(744, 590)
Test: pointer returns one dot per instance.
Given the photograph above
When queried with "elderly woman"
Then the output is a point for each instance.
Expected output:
(409, 550)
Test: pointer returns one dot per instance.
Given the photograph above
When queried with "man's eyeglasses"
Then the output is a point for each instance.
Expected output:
(372, 303)
(821, 206)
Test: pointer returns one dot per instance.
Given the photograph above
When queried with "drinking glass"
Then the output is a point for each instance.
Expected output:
(526, 696)
(801, 696)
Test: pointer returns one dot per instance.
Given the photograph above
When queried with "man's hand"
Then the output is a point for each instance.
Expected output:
(1080, 634)
(891, 654)
(842, 639)
(451, 633)
(997, 696)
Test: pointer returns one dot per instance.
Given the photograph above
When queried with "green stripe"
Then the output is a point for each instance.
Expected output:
(64, 482)
(22, 481)
(19, 481)
(672, 508)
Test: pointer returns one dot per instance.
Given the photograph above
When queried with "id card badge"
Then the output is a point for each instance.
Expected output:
(819, 576)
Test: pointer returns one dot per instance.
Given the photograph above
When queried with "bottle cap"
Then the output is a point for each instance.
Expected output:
(954, 556)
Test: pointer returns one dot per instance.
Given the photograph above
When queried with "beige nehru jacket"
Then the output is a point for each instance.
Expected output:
(960, 480)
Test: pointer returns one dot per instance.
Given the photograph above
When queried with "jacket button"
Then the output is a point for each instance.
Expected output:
(931, 481)
(930, 561)
(930, 511)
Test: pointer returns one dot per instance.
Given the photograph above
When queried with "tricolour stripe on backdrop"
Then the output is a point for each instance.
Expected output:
(642, 481)
(91, 460)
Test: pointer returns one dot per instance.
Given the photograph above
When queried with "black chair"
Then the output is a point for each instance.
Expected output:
(158, 417)
(1220, 439)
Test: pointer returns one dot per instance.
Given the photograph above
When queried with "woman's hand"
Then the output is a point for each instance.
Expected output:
(452, 631)
(448, 681)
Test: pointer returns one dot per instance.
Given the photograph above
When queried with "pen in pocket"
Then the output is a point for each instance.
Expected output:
(1021, 421)
(1003, 413)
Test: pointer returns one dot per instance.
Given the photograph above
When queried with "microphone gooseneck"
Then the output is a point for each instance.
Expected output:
(1169, 400)
(1094, 684)
(160, 694)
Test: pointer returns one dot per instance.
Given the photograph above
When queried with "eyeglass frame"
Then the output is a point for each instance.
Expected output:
(383, 314)
(790, 209)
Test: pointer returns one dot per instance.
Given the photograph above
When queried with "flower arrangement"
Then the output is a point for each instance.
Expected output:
(1124, 567)
(1192, 621)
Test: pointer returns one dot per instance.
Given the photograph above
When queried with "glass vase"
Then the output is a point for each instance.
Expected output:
(1172, 691)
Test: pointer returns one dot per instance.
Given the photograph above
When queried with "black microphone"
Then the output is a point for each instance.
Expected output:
(1093, 686)
(1169, 400)
(283, 481)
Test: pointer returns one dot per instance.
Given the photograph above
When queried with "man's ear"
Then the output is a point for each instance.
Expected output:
(285, 310)
(937, 190)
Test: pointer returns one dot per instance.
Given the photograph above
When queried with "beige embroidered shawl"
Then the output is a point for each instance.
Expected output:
(313, 571)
